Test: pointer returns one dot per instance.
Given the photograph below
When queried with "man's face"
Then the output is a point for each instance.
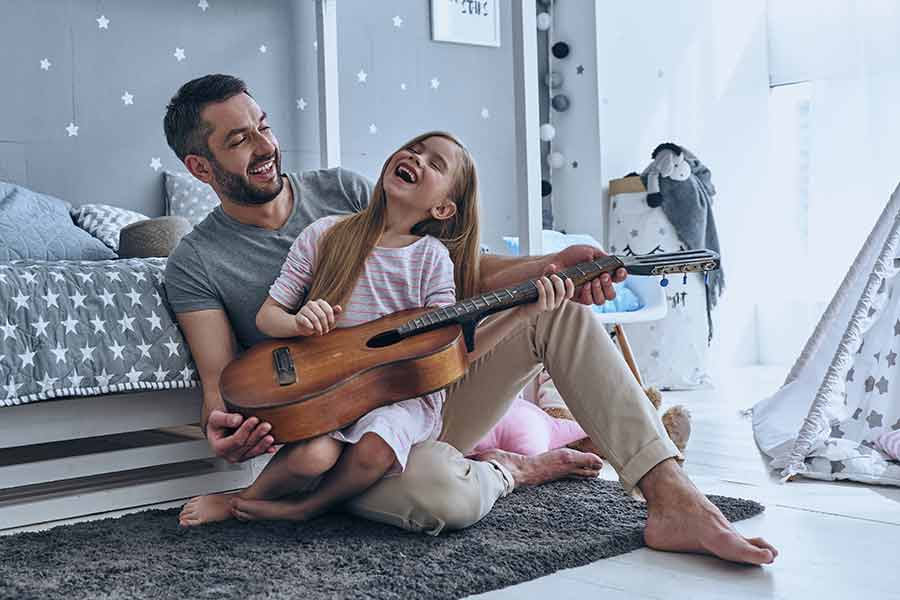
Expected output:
(245, 159)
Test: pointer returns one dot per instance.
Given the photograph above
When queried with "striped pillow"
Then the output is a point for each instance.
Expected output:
(104, 222)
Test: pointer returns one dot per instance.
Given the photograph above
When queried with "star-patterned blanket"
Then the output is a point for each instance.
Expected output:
(82, 328)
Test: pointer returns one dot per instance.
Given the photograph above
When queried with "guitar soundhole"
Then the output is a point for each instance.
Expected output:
(383, 339)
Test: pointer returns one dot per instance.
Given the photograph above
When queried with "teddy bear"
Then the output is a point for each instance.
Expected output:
(531, 428)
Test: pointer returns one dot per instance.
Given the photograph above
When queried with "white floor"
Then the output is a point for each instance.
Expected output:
(836, 540)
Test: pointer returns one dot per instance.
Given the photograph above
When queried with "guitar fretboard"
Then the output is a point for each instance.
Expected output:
(485, 304)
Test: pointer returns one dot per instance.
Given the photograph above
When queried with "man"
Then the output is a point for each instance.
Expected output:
(220, 273)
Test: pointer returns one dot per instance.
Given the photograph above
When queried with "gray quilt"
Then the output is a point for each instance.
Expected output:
(81, 328)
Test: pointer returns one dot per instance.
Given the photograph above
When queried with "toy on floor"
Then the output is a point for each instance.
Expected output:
(528, 428)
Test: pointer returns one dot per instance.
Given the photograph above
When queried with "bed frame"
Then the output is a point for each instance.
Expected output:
(74, 457)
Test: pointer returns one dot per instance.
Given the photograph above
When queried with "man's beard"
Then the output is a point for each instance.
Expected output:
(238, 187)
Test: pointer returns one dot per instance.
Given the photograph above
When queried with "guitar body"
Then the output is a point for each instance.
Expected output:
(339, 377)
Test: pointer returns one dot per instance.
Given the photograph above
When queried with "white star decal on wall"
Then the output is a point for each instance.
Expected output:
(179, 54)
(203, 4)
(361, 76)
(75, 378)
(40, 326)
(117, 350)
(133, 375)
(21, 300)
(156, 165)
(127, 98)
(77, 299)
(102, 22)
(145, 349)
(301, 104)
(485, 113)
(47, 383)
(403, 86)
(72, 129)
(59, 352)
(373, 129)
(9, 330)
(435, 83)
(45, 64)
(70, 325)
(397, 21)
(27, 359)
(87, 352)
(50, 299)
(263, 49)
(12, 388)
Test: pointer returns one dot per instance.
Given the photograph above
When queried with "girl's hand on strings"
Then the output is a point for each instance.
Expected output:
(316, 317)
(552, 292)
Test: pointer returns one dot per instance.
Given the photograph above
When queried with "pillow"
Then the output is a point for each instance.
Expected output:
(38, 227)
(188, 197)
(104, 222)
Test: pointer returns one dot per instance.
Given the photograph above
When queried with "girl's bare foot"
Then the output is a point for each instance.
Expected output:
(270, 510)
(205, 509)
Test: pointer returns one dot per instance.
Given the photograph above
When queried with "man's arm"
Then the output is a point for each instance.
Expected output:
(212, 345)
(505, 271)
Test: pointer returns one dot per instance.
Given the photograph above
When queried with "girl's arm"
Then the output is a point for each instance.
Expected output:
(274, 320)
(552, 292)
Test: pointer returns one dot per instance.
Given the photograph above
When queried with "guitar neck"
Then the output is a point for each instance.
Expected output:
(475, 309)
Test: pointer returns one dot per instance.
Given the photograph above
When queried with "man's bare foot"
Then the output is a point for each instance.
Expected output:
(549, 466)
(205, 509)
(681, 519)
(270, 510)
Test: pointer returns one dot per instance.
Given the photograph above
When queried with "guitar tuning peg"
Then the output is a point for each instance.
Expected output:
(684, 281)
(705, 277)
(664, 281)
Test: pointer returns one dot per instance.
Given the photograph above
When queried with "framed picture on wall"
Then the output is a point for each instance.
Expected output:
(466, 22)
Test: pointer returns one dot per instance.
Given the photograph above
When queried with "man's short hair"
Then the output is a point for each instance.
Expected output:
(186, 132)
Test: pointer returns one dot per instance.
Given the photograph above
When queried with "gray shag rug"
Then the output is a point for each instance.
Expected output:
(532, 533)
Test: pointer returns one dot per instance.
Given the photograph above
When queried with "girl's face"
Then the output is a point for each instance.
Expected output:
(421, 176)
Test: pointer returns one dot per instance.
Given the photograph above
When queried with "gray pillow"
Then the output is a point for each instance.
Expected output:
(38, 227)
(188, 197)
(104, 222)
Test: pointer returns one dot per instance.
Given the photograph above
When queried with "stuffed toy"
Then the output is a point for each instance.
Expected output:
(668, 161)
(528, 428)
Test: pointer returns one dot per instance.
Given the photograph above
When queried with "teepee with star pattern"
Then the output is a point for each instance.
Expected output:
(844, 390)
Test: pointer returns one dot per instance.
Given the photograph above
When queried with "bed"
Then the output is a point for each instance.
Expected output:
(99, 398)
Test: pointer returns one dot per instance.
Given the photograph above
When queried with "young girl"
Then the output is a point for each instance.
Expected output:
(399, 253)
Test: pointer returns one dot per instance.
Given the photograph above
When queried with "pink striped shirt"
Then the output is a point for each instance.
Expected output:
(392, 279)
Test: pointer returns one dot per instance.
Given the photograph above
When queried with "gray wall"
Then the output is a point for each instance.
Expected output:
(471, 78)
(108, 161)
(91, 68)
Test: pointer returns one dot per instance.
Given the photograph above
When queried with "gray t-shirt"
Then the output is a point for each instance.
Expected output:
(228, 265)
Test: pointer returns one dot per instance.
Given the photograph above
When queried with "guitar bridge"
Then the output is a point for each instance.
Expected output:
(284, 366)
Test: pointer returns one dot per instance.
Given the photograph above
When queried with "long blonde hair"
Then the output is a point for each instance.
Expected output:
(345, 247)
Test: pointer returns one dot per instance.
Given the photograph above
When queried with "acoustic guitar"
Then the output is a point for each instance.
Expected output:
(308, 386)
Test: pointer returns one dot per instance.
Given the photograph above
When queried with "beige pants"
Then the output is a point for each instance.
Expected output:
(440, 489)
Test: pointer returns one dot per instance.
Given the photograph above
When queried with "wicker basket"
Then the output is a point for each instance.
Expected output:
(152, 237)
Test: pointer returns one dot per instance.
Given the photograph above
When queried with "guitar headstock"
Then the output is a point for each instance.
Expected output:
(669, 263)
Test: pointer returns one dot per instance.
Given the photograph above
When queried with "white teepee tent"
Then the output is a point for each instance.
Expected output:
(844, 390)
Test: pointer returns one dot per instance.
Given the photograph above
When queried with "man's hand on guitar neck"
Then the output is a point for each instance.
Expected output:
(237, 440)
(596, 291)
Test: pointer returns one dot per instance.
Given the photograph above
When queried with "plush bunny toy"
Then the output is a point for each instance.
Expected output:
(668, 161)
